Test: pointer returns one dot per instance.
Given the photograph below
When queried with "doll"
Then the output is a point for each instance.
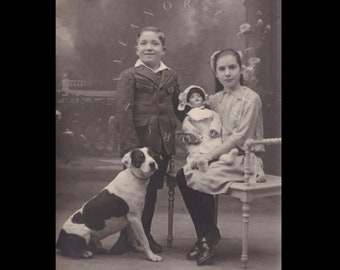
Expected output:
(201, 127)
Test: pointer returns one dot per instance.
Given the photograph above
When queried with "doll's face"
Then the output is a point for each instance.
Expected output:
(195, 100)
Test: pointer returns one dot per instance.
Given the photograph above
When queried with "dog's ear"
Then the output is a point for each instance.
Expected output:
(126, 159)
(155, 155)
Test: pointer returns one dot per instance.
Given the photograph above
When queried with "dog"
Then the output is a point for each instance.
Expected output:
(119, 205)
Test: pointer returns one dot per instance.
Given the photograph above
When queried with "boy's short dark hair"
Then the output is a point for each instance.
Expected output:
(195, 90)
(154, 29)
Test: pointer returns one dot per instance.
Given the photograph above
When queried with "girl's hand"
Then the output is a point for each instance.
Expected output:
(203, 159)
(194, 163)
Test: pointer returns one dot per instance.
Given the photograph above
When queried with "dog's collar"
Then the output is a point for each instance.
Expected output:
(138, 177)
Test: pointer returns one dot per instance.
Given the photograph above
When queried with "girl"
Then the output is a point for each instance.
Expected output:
(240, 111)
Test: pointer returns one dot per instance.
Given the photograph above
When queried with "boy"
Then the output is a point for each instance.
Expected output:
(147, 98)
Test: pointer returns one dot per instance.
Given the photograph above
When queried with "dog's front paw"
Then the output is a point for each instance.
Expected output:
(155, 258)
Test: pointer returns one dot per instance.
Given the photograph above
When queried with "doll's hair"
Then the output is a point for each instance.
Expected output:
(216, 55)
(195, 90)
(154, 29)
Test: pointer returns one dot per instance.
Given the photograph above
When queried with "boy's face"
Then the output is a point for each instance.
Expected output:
(150, 49)
(195, 100)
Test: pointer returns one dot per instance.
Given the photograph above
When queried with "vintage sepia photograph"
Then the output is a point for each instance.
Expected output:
(168, 134)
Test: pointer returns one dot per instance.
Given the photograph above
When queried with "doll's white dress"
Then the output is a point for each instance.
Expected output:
(204, 120)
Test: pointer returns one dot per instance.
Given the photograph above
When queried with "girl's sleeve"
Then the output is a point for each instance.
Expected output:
(248, 121)
(124, 108)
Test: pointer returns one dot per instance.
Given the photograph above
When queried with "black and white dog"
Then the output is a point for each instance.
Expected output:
(118, 205)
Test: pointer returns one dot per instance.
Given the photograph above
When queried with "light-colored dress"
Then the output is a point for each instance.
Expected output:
(241, 116)
(204, 120)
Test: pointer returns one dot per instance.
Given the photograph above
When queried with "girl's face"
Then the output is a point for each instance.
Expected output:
(150, 49)
(228, 72)
(195, 100)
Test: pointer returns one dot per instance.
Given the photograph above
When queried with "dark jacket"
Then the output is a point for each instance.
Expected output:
(147, 109)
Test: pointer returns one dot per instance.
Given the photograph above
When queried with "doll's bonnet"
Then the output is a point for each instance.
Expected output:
(183, 97)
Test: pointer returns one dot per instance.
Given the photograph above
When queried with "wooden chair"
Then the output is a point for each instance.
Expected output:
(244, 191)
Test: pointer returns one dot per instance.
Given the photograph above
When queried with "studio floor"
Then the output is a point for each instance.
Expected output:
(82, 178)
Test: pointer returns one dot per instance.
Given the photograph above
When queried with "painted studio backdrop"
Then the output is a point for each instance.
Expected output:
(95, 41)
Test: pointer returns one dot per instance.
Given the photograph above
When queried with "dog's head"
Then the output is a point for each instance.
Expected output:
(142, 161)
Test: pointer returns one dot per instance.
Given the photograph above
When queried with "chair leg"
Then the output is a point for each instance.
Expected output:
(170, 214)
(245, 220)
